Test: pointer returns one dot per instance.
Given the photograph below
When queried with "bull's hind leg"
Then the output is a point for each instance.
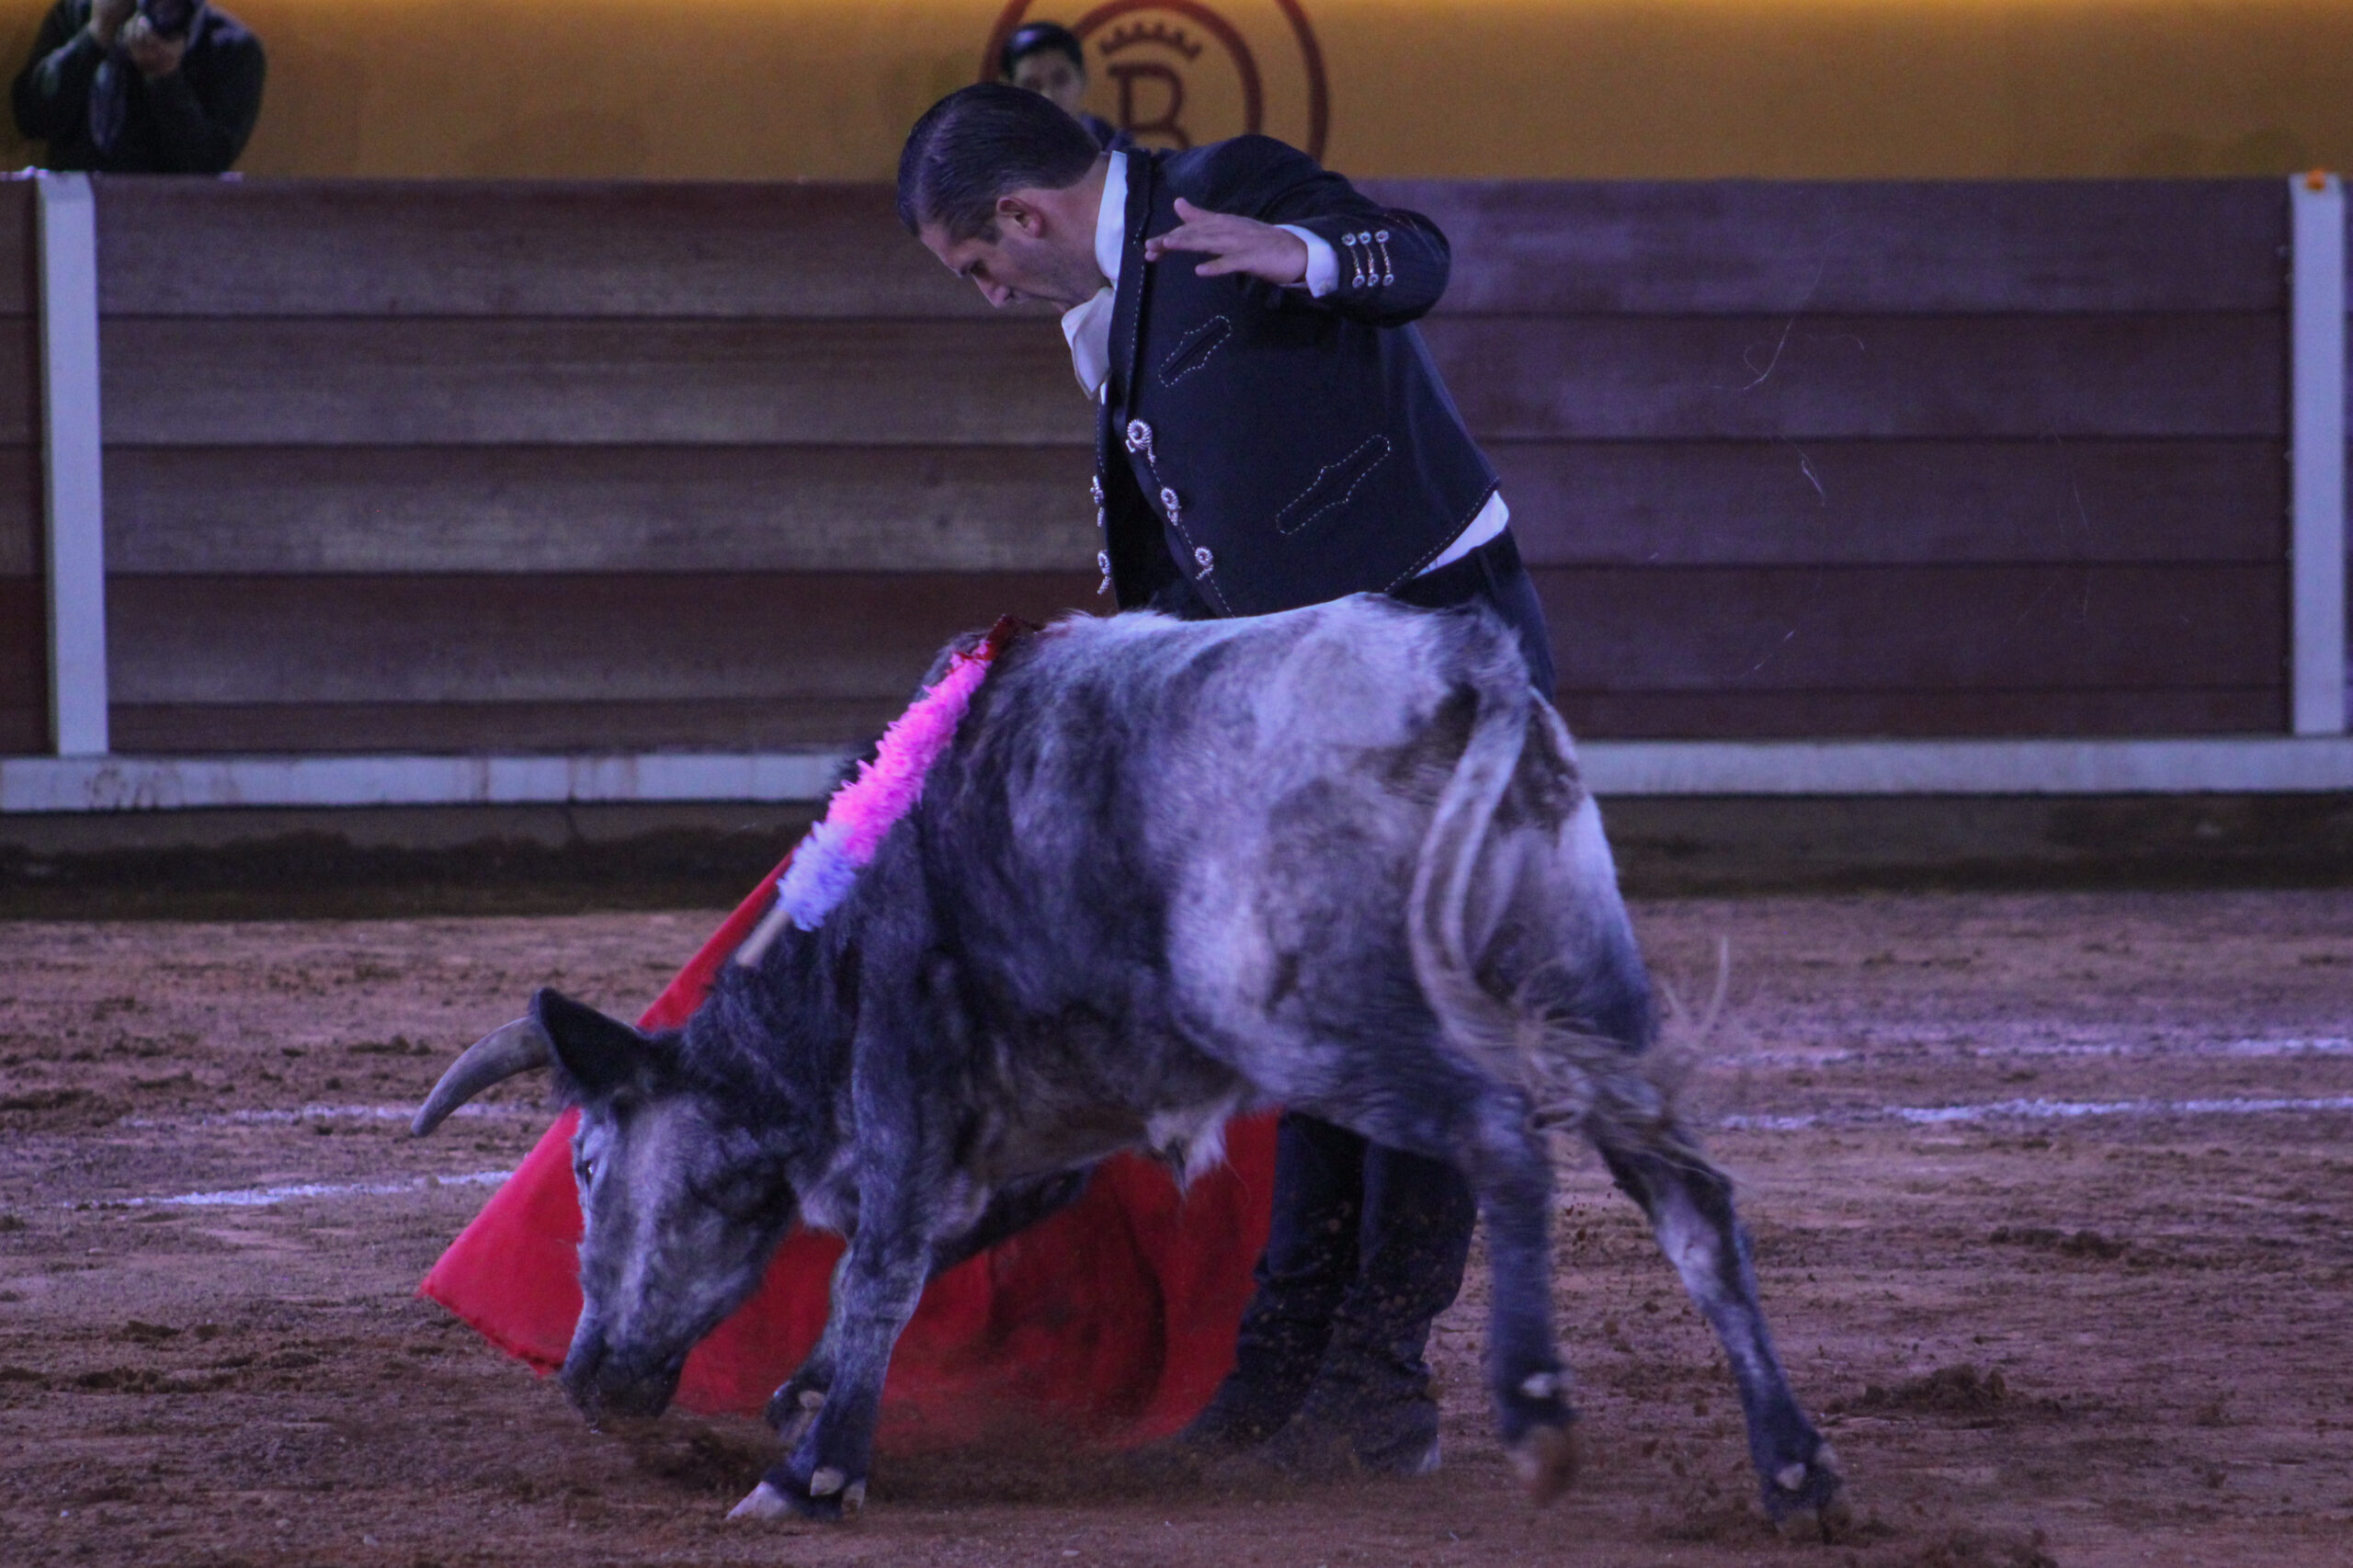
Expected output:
(1690, 1209)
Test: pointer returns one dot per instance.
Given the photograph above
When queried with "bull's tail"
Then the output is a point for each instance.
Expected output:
(1520, 940)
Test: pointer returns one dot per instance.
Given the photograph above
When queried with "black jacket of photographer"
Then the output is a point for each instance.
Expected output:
(1258, 448)
(194, 120)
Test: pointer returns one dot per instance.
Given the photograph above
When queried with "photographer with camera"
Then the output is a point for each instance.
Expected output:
(140, 86)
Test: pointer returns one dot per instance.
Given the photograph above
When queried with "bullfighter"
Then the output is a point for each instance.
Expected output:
(1270, 433)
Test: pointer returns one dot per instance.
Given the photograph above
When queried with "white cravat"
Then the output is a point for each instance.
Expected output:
(1087, 329)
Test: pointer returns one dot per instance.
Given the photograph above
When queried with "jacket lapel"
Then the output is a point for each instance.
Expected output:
(1127, 302)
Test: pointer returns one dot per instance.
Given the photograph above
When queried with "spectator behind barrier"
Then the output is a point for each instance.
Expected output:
(1045, 58)
(140, 86)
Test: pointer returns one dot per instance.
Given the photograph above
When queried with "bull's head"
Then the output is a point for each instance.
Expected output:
(682, 1201)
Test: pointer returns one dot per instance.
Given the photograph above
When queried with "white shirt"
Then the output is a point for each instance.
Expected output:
(1087, 329)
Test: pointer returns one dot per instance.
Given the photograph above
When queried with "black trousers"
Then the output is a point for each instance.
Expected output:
(1368, 1244)
(1494, 576)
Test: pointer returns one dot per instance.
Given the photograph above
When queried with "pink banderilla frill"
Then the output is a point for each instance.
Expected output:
(827, 861)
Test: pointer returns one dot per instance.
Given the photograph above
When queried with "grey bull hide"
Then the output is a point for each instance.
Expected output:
(1338, 860)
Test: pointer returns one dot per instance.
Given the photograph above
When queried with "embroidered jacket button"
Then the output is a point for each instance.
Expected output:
(1139, 435)
(1103, 564)
(1203, 559)
(1094, 488)
(1168, 499)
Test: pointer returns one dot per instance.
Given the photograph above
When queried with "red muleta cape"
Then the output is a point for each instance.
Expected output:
(1113, 1321)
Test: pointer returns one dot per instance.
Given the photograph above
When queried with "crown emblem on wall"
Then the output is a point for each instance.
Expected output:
(1166, 34)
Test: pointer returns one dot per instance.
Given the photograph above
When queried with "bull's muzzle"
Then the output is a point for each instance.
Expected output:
(601, 1383)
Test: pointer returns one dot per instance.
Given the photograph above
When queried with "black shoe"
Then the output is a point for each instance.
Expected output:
(1351, 1426)
(1234, 1423)
(1237, 1419)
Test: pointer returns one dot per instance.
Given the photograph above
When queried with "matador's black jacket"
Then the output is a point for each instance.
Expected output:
(1258, 449)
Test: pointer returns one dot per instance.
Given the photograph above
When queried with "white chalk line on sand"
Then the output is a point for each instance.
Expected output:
(2033, 1111)
(328, 1113)
(262, 1197)
(1918, 1115)
(2322, 1046)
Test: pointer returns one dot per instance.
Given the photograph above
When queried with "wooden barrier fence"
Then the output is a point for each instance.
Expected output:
(24, 630)
(452, 468)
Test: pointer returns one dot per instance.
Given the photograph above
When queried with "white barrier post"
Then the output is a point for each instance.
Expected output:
(73, 509)
(2316, 447)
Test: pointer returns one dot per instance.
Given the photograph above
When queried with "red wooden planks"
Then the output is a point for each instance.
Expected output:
(551, 638)
(19, 264)
(2028, 377)
(387, 382)
(1746, 246)
(1918, 715)
(623, 508)
(743, 636)
(304, 247)
(1919, 629)
(1862, 503)
(563, 466)
(393, 382)
(510, 249)
(742, 724)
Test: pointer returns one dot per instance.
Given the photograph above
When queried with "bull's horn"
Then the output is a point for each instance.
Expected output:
(497, 1056)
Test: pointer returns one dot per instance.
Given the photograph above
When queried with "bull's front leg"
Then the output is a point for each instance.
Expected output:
(797, 1401)
(1014, 1210)
(1690, 1209)
(875, 1292)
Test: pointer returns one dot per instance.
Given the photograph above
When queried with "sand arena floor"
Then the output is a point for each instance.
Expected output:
(2052, 1198)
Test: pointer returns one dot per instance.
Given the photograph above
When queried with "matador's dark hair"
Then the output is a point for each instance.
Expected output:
(978, 143)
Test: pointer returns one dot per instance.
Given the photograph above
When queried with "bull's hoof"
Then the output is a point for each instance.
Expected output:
(1807, 1502)
(829, 1498)
(1545, 1459)
(1824, 1525)
(764, 1502)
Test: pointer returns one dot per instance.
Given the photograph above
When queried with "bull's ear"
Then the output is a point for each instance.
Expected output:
(598, 1053)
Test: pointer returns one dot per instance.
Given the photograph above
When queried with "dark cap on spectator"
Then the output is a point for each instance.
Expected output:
(1030, 38)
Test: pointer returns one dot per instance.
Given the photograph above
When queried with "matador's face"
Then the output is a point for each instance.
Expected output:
(1029, 255)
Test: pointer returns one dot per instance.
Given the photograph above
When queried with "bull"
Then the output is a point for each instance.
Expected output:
(1339, 859)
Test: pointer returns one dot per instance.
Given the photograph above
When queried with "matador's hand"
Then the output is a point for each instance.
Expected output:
(1233, 245)
(108, 19)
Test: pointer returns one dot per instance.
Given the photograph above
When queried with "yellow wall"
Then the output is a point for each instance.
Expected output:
(766, 88)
